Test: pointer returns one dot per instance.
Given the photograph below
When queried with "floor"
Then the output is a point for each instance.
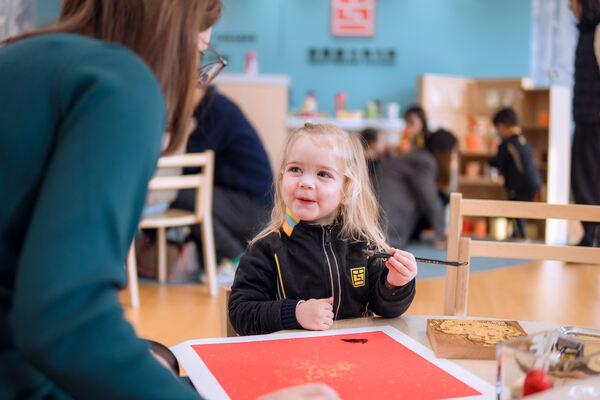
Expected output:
(548, 291)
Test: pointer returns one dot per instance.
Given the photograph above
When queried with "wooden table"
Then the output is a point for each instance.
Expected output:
(415, 327)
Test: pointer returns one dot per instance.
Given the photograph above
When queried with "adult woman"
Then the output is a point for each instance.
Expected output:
(82, 120)
(585, 174)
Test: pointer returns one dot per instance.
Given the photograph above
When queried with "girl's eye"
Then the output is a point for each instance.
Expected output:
(294, 169)
(324, 174)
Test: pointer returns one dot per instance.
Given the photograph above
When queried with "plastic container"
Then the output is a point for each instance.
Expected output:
(251, 66)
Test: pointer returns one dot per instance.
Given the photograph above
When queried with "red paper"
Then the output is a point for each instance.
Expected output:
(378, 368)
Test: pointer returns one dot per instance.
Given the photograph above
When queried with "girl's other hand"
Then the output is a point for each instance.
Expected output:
(315, 314)
(402, 267)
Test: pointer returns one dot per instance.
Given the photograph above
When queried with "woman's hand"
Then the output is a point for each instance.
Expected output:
(315, 314)
(402, 267)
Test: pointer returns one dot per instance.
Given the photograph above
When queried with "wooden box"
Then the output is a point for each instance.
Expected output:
(469, 339)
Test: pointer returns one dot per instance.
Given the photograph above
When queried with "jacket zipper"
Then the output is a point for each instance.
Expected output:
(337, 269)
(325, 239)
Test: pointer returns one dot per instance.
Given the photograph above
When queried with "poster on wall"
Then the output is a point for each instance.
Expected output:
(16, 16)
(353, 18)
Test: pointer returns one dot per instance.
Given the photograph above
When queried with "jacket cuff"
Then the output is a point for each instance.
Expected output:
(391, 292)
(288, 314)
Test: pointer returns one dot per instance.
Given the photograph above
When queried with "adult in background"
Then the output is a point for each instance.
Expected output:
(242, 175)
(585, 172)
(84, 105)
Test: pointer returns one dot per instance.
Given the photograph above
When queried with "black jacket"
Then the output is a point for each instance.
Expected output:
(312, 262)
(516, 161)
(586, 90)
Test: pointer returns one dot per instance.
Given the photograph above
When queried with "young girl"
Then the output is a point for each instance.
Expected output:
(307, 267)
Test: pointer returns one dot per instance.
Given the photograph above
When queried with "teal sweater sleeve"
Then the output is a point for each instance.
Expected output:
(66, 320)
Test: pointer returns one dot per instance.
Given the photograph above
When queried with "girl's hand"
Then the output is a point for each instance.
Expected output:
(315, 314)
(402, 266)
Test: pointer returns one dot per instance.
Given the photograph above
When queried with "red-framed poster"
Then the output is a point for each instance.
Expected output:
(353, 18)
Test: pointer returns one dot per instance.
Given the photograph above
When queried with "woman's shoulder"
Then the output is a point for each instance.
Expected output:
(72, 57)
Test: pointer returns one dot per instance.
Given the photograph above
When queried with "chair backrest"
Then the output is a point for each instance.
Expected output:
(202, 181)
(462, 249)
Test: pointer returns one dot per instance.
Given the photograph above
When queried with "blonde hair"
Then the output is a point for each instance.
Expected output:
(359, 211)
(164, 33)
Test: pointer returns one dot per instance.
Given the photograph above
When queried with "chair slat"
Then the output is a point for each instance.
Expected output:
(530, 210)
(534, 251)
(175, 182)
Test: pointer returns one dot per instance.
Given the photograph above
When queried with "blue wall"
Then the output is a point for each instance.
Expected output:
(481, 38)
(46, 11)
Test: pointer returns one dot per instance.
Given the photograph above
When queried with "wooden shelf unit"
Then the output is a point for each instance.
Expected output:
(544, 113)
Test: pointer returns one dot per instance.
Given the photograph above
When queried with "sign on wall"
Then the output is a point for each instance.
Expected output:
(353, 18)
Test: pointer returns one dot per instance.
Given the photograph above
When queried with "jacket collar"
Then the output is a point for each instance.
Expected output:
(290, 222)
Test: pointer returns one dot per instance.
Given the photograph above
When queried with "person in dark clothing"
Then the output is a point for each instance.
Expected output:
(406, 189)
(444, 146)
(585, 173)
(516, 161)
(242, 174)
(307, 267)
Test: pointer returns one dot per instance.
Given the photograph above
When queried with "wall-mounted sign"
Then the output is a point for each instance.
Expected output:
(353, 18)
(352, 56)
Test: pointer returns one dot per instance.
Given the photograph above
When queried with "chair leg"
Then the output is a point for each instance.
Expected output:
(462, 278)
(210, 258)
(132, 277)
(162, 254)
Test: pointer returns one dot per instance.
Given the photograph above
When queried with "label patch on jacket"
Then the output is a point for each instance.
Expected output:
(358, 276)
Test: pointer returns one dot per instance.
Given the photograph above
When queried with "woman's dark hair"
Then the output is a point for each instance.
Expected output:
(590, 14)
(507, 117)
(420, 113)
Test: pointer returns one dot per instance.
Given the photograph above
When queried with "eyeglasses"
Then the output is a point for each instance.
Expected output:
(208, 71)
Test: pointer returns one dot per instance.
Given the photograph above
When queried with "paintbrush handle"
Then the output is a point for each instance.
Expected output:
(379, 254)
(442, 262)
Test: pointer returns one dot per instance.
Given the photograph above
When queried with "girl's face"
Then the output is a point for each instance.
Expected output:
(312, 185)
(575, 6)
(413, 125)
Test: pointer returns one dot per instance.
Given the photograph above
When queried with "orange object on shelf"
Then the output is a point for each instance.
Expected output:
(467, 226)
(544, 118)
(480, 228)
(473, 142)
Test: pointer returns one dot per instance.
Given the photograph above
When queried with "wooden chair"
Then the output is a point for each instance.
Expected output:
(203, 183)
(462, 249)
(226, 328)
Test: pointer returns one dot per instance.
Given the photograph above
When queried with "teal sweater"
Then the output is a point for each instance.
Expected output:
(80, 124)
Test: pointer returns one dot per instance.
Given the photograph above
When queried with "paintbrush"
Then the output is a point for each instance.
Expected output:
(379, 254)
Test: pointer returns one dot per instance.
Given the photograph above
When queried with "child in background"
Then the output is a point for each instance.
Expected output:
(307, 268)
(516, 161)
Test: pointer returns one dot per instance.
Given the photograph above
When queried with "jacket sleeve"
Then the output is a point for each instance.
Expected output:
(384, 301)
(500, 159)
(66, 319)
(254, 307)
